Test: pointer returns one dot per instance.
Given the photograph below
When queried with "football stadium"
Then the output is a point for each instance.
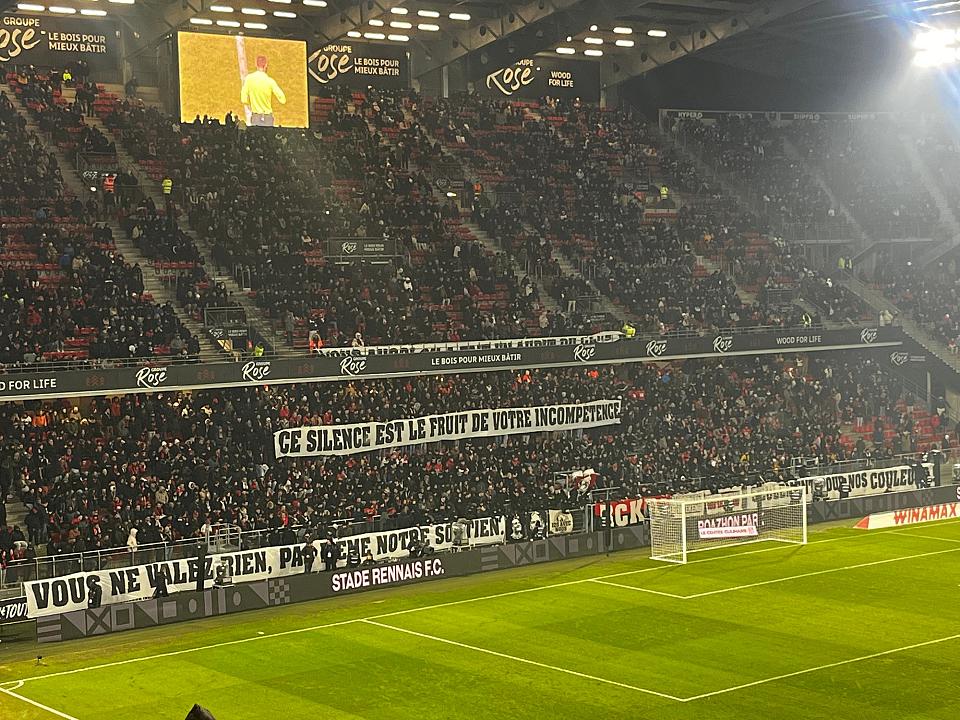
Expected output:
(452, 359)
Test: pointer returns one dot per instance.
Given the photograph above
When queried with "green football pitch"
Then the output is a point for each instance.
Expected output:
(856, 624)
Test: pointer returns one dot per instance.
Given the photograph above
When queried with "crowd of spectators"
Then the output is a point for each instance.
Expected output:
(172, 465)
(750, 152)
(268, 204)
(865, 160)
(66, 292)
(565, 180)
(928, 296)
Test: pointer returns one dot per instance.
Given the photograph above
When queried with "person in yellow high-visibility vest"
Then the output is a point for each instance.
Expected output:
(167, 186)
(628, 330)
(257, 95)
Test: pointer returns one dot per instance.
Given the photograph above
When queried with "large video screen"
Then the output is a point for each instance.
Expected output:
(262, 81)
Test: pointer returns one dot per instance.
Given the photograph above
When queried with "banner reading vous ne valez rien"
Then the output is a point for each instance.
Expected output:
(50, 596)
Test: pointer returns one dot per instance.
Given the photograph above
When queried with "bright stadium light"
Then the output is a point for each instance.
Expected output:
(200, 21)
(253, 11)
(376, 23)
(593, 41)
(657, 33)
(936, 48)
(936, 57)
(593, 53)
(625, 43)
(221, 8)
(89, 12)
(399, 11)
(399, 38)
(284, 14)
(428, 13)
(374, 36)
(459, 16)
(228, 23)
(400, 25)
(255, 26)
(620, 30)
(29, 7)
(62, 10)
(315, 3)
(428, 27)
(282, 2)
(354, 34)
(932, 39)
(566, 51)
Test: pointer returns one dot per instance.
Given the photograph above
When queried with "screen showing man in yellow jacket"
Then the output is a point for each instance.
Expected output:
(257, 94)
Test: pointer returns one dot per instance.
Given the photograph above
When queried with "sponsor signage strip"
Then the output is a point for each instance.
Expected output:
(769, 115)
(13, 610)
(358, 65)
(910, 516)
(459, 358)
(533, 78)
(54, 42)
(73, 592)
(355, 438)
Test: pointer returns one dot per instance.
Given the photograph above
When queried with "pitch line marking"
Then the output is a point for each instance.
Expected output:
(36, 704)
(817, 572)
(509, 593)
(883, 653)
(527, 661)
(641, 589)
(925, 537)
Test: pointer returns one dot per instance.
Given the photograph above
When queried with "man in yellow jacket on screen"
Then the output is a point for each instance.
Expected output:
(257, 95)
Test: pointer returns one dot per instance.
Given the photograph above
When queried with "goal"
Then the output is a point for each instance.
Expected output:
(684, 524)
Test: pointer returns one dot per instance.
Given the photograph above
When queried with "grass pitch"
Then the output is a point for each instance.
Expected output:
(854, 625)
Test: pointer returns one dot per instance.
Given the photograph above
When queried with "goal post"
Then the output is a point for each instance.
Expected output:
(685, 524)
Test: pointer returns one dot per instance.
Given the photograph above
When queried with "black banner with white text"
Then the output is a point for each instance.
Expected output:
(534, 78)
(57, 42)
(358, 65)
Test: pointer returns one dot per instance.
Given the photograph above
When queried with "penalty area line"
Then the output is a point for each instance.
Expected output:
(527, 661)
(839, 663)
(41, 706)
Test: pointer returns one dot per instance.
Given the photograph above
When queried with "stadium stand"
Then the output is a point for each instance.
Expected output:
(68, 294)
(172, 465)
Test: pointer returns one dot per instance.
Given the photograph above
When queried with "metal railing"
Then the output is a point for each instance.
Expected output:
(224, 539)
(218, 541)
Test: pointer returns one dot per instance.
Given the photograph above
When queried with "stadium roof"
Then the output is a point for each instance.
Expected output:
(629, 37)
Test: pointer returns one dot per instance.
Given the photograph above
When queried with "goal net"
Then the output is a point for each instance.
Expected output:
(684, 524)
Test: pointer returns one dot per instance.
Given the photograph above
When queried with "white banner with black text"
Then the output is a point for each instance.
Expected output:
(364, 437)
(51, 596)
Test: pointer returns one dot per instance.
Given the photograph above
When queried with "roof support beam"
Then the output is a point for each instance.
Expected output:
(617, 69)
(445, 50)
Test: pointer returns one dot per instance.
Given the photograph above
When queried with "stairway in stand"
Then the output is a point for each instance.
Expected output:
(947, 216)
(616, 312)
(159, 293)
(471, 231)
(209, 350)
(255, 317)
